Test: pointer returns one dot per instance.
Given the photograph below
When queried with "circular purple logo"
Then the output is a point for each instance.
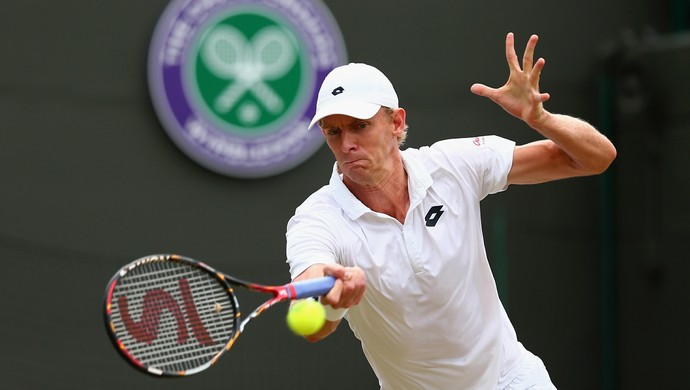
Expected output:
(234, 82)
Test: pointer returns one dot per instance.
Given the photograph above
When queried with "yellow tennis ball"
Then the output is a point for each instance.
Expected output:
(306, 317)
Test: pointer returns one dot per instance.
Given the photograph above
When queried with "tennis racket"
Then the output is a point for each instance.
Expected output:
(170, 315)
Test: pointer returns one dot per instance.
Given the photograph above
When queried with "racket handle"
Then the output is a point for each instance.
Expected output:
(311, 288)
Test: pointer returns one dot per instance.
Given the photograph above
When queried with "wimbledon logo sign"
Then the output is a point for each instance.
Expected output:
(234, 83)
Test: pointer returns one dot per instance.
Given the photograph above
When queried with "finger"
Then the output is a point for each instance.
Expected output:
(535, 75)
(350, 297)
(511, 56)
(333, 297)
(335, 270)
(346, 300)
(342, 295)
(353, 289)
(528, 56)
(481, 90)
(539, 65)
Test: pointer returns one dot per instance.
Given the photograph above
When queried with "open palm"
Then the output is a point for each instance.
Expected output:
(520, 96)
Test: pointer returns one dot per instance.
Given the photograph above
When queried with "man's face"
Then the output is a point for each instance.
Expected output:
(363, 147)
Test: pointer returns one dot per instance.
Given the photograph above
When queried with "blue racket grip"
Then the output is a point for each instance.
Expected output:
(311, 287)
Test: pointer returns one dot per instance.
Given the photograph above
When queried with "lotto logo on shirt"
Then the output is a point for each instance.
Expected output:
(234, 82)
(433, 215)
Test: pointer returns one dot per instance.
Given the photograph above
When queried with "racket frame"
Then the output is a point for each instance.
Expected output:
(290, 291)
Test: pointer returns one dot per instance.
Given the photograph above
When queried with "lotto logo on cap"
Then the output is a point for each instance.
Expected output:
(234, 82)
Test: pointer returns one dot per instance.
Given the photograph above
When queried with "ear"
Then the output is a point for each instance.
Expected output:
(399, 120)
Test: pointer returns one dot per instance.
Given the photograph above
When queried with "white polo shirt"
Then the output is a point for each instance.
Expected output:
(431, 317)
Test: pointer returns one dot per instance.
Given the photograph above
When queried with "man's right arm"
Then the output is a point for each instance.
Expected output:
(348, 291)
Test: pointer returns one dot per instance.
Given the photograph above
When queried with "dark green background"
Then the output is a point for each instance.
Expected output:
(593, 271)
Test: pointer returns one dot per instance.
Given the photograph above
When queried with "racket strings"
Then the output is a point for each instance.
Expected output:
(171, 316)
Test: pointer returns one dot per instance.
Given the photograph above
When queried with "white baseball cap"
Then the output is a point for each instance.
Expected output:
(356, 90)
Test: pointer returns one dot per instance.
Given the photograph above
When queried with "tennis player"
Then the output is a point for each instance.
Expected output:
(404, 227)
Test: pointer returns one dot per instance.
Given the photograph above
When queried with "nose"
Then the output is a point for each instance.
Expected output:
(348, 141)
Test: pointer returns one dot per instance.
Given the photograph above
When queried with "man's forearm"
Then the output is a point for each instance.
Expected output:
(590, 151)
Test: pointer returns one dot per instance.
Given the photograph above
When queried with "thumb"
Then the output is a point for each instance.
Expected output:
(337, 271)
(481, 90)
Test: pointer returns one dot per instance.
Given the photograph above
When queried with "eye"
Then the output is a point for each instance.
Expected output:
(333, 131)
(360, 125)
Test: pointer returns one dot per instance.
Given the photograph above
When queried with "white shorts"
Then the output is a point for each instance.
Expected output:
(530, 373)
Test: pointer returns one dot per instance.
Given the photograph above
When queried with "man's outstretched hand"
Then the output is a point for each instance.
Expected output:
(520, 96)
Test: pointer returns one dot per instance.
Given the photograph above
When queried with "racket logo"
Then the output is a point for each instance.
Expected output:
(154, 302)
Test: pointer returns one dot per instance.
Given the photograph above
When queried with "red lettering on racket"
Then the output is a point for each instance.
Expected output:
(200, 333)
(155, 301)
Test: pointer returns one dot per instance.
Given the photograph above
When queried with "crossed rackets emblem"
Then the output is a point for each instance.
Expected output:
(247, 65)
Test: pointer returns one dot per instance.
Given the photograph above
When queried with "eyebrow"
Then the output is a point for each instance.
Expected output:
(350, 123)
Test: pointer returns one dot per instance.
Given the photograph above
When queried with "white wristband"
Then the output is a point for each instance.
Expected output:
(334, 314)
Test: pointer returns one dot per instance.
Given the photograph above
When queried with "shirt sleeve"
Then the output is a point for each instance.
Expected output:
(309, 241)
(485, 161)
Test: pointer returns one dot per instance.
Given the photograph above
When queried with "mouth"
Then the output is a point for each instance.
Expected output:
(354, 161)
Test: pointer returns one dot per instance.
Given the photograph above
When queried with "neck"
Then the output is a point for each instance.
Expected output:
(388, 196)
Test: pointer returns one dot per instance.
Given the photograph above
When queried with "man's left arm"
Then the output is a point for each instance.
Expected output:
(573, 147)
